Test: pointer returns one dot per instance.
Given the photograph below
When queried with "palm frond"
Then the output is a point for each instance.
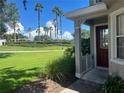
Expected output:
(38, 7)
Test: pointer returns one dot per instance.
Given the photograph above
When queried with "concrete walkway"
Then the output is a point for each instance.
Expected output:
(30, 51)
(96, 75)
(82, 86)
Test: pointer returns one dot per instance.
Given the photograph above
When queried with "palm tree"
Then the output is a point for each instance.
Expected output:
(54, 23)
(18, 31)
(61, 14)
(24, 3)
(56, 12)
(50, 28)
(14, 26)
(30, 30)
(46, 29)
(38, 8)
(14, 18)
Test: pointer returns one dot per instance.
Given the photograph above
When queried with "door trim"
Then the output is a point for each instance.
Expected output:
(95, 47)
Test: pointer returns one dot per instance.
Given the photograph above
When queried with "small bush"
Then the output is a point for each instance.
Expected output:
(114, 85)
(62, 68)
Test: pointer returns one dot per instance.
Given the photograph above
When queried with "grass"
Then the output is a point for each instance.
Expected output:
(18, 69)
(20, 48)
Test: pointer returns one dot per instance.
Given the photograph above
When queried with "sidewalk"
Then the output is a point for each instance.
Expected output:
(82, 86)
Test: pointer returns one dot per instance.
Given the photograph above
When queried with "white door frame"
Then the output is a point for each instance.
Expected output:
(95, 48)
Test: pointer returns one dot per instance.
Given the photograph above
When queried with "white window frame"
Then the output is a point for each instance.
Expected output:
(95, 2)
(113, 30)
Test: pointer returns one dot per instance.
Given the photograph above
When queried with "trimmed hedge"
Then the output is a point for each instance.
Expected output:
(38, 44)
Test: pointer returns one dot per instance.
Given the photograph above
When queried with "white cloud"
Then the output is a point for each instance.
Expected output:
(31, 35)
(19, 26)
(67, 36)
(51, 24)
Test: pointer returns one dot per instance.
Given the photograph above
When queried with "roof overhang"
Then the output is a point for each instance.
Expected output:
(86, 11)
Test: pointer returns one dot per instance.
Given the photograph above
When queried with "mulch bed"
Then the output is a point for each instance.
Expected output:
(45, 86)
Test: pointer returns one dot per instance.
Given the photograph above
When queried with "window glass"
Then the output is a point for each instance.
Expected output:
(120, 36)
(92, 2)
(120, 24)
(120, 47)
(104, 38)
(97, 1)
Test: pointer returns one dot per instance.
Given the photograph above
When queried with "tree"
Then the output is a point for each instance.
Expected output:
(60, 15)
(2, 18)
(24, 3)
(38, 8)
(10, 37)
(18, 31)
(2, 3)
(50, 28)
(85, 41)
(54, 23)
(46, 29)
(55, 10)
(85, 34)
(30, 30)
(14, 18)
(8, 15)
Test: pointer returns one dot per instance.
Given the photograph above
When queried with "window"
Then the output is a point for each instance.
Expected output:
(104, 38)
(92, 2)
(97, 1)
(120, 36)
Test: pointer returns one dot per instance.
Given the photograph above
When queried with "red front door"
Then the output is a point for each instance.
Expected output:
(102, 45)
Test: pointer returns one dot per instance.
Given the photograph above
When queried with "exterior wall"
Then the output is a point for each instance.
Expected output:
(116, 66)
(117, 69)
(97, 19)
(92, 50)
(2, 42)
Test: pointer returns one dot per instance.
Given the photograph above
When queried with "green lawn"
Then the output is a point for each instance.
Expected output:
(17, 69)
(19, 48)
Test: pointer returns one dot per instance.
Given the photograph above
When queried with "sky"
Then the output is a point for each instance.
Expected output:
(28, 18)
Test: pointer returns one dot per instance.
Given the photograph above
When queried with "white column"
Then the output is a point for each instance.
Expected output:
(78, 49)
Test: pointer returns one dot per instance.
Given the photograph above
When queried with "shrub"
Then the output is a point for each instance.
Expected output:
(38, 44)
(85, 46)
(114, 85)
(62, 68)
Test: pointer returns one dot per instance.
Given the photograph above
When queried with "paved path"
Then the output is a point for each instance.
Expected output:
(82, 86)
(30, 51)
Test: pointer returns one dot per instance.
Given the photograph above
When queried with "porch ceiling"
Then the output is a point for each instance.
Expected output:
(97, 20)
(86, 11)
